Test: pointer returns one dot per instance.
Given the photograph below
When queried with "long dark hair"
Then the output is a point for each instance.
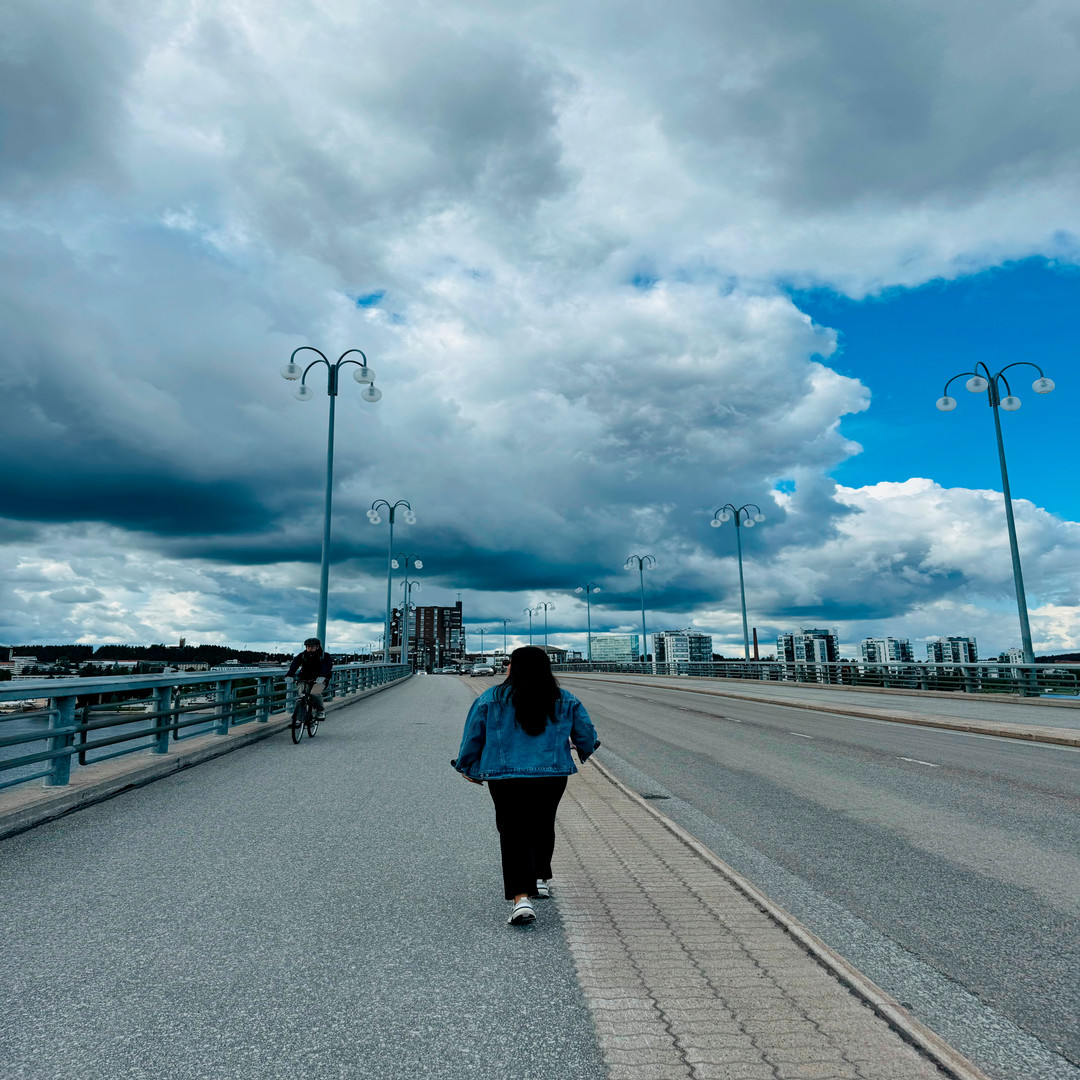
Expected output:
(531, 689)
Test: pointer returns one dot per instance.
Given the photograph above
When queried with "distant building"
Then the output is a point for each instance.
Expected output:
(616, 648)
(1012, 656)
(436, 637)
(18, 665)
(687, 646)
(887, 650)
(952, 650)
(809, 646)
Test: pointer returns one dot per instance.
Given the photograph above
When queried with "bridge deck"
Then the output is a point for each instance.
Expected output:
(334, 909)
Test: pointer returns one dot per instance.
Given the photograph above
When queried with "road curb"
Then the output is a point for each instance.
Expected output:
(23, 808)
(1057, 736)
(928, 1042)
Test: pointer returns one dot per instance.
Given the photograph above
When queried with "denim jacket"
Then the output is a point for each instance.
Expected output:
(495, 747)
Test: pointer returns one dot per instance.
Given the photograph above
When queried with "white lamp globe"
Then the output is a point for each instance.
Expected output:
(724, 515)
(759, 517)
(579, 589)
(716, 523)
(1043, 385)
(373, 517)
(395, 564)
(291, 371)
(946, 403)
(596, 589)
(371, 393)
(303, 393)
(363, 374)
(976, 384)
(748, 523)
(1010, 403)
(418, 564)
(410, 517)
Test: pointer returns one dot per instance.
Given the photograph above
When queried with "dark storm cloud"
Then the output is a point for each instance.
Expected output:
(827, 102)
(63, 70)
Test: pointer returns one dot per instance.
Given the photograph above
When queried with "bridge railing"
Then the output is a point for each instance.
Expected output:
(46, 725)
(985, 677)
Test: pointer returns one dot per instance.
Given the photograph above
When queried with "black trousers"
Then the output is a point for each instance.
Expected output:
(525, 817)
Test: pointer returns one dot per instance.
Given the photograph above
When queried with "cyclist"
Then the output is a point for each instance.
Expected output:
(313, 667)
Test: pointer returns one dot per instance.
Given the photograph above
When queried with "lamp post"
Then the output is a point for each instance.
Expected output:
(641, 561)
(395, 564)
(374, 518)
(482, 631)
(545, 606)
(979, 380)
(408, 586)
(504, 622)
(742, 517)
(588, 588)
(363, 374)
(530, 612)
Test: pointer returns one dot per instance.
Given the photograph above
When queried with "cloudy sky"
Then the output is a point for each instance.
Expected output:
(614, 264)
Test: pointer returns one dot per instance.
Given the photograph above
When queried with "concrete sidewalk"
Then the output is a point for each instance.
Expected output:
(690, 973)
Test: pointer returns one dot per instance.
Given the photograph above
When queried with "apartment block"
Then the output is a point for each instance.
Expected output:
(687, 646)
(887, 650)
(952, 650)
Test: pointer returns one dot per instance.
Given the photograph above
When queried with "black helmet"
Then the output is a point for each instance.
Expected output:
(313, 641)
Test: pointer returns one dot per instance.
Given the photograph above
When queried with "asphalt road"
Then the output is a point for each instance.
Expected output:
(944, 865)
(327, 911)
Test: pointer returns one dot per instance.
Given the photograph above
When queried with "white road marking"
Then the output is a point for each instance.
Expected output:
(918, 762)
(800, 734)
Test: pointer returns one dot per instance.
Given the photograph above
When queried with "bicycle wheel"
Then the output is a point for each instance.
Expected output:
(299, 719)
(312, 723)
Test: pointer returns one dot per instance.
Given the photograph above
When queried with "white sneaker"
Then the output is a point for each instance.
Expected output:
(543, 889)
(522, 913)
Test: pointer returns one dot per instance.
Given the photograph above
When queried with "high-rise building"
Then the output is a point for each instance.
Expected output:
(436, 637)
(616, 648)
(887, 650)
(809, 645)
(687, 646)
(952, 650)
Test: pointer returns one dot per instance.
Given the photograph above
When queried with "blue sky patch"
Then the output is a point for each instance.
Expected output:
(905, 344)
(370, 299)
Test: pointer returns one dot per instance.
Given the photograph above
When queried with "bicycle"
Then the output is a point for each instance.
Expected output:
(304, 714)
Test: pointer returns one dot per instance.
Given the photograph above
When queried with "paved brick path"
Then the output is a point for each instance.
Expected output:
(686, 976)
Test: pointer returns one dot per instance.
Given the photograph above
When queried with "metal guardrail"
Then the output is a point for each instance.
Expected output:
(94, 719)
(1028, 680)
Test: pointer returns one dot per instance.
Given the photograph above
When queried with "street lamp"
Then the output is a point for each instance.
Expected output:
(588, 588)
(530, 612)
(978, 382)
(481, 631)
(742, 517)
(408, 586)
(545, 606)
(374, 518)
(363, 374)
(504, 622)
(641, 561)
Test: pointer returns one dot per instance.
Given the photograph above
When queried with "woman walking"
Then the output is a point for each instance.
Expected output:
(518, 737)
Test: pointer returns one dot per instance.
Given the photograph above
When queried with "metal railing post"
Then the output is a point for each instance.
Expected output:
(264, 689)
(224, 706)
(163, 699)
(62, 716)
